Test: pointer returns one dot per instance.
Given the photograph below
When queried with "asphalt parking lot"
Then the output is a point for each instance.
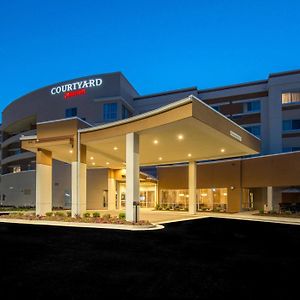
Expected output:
(196, 259)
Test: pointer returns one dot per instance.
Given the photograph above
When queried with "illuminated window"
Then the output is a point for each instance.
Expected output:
(16, 169)
(71, 112)
(110, 112)
(290, 97)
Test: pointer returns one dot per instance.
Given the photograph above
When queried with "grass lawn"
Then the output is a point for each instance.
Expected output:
(206, 258)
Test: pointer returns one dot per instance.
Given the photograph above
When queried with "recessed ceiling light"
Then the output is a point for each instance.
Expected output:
(155, 142)
(115, 148)
(92, 157)
(107, 163)
(93, 163)
(160, 158)
(180, 136)
(222, 150)
(71, 151)
(189, 155)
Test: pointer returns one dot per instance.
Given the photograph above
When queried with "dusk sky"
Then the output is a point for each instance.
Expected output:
(158, 45)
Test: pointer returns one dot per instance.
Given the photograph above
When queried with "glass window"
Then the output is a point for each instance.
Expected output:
(16, 169)
(254, 130)
(216, 107)
(295, 124)
(290, 149)
(110, 112)
(290, 125)
(71, 112)
(286, 125)
(125, 112)
(290, 97)
(253, 106)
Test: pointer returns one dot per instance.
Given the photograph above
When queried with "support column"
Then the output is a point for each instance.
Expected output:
(79, 184)
(192, 186)
(43, 182)
(132, 175)
(111, 186)
(269, 198)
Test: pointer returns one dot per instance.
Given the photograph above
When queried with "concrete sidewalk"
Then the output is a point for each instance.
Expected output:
(164, 217)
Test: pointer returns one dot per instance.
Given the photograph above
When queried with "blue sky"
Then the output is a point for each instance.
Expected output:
(158, 45)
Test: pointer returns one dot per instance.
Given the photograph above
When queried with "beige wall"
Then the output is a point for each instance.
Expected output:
(19, 188)
(96, 184)
(277, 170)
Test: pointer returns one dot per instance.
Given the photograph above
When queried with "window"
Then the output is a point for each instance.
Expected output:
(125, 112)
(254, 130)
(110, 112)
(16, 169)
(290, 149)
(216, 107)
(290, 125)
(71, 112)
(253, 106)
(290, 97)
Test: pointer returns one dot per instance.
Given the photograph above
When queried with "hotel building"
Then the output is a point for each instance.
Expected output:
(96, 143)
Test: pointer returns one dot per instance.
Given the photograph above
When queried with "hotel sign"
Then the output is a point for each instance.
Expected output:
(235, 135)
(76, 88)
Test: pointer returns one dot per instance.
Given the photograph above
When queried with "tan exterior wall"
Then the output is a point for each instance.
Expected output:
(276, 170)
(238, 176)
(234, 199)
(96, 185)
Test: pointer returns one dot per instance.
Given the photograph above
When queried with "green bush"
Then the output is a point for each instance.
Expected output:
(106, 216)
(49, 214)
(69, 214)
(122, 216)
(261, 211)
(96, 215)
(87, 215)
(59, 214)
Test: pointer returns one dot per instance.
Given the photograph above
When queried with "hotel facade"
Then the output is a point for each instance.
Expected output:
(95, 143)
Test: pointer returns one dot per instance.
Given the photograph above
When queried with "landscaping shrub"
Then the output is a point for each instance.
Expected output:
(261, 211)
(69, 214)
(59, 214)
(106, 216)
(49, 214)
(87, 215)
(122, 216)
(96, 215)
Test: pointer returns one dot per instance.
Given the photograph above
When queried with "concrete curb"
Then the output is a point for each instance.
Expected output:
(84, 225)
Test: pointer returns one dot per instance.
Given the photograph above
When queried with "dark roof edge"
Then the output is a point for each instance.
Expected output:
(194, 88)
(232, 86)
(286, 73)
